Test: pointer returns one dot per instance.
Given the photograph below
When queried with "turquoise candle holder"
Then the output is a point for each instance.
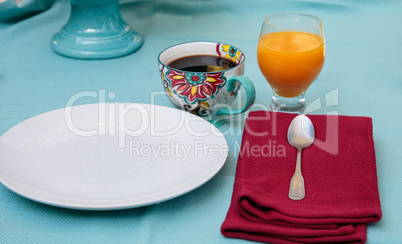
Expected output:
(95, 30)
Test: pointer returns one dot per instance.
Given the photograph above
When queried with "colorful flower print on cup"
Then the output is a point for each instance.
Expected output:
(204, 79)
(232, 53)
(194, 87)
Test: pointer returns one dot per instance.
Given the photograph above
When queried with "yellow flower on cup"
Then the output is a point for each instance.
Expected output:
(231, 53)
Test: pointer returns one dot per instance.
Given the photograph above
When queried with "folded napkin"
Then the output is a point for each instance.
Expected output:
(340, 177)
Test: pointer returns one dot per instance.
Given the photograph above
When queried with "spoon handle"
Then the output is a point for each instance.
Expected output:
(296, 191)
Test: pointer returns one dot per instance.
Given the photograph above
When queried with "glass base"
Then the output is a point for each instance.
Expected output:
(288, 104)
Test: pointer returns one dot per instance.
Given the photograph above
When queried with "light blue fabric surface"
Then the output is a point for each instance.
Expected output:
(13, 10)
(363, 72)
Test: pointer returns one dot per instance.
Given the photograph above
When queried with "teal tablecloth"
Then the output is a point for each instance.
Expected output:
(362, 76)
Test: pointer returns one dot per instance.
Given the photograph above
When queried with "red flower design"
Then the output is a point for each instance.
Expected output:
(192, 86)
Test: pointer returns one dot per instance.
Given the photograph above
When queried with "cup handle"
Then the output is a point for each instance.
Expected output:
(250, 93)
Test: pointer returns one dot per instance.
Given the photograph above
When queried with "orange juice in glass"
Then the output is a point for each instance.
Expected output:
(290, 53)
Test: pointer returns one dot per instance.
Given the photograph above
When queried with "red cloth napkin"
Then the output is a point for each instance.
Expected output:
(340, 177)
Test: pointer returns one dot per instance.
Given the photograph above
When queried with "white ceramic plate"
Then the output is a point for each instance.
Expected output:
(110, 155)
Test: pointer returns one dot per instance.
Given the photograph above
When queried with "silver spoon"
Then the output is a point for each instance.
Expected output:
(300, 135)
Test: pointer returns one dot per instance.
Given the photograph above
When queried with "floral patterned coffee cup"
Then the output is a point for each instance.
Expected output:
(206, 94)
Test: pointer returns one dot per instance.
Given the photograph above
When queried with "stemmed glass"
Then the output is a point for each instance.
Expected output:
(291, 53)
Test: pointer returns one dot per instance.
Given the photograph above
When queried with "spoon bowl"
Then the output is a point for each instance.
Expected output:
(301, 132)
(300, 135)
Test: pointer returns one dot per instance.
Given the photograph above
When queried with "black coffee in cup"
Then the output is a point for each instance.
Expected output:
(202, 63)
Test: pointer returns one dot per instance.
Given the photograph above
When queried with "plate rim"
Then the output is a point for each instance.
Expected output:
(125, 203)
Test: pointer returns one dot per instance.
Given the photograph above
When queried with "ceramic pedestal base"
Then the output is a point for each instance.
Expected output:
(95, 30)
